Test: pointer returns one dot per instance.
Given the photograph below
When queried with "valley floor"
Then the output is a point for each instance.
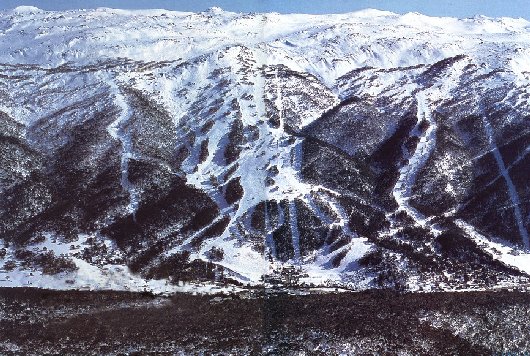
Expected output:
(35, 321)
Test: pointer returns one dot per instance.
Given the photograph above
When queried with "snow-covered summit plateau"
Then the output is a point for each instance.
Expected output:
(141, 149)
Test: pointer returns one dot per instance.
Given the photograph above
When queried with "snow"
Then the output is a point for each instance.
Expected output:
(269, 240)
(93, 277)
(295, 234)
(26, 10)
(503, 252)
(117, 131)
(326, 46)
(402, 191)
(346, 274)
(407, 174)
(364, 38)
(512, 192)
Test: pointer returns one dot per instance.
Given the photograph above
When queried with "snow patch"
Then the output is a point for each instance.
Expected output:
(402, 191)
(502, 252)
(512, 191)
(27, 10)
(117, 131)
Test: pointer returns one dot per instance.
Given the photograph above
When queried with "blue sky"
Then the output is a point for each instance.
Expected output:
(458, 8)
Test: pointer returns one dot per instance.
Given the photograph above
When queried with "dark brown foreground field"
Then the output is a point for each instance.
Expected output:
(41, 322)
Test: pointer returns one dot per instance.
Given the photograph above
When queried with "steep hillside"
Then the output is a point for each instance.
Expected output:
(146, 149)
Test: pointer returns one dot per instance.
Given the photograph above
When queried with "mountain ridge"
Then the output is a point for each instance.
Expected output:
(364, 152)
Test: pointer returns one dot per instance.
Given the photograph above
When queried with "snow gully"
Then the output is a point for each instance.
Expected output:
(512, 192)
(116, 130)
(407, 174)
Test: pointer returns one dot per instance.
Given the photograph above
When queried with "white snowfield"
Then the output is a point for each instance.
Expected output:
(326, 46)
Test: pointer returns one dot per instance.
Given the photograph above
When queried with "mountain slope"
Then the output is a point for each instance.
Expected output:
(367, 149)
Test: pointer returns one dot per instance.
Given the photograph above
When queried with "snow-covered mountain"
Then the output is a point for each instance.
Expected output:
(370, 149)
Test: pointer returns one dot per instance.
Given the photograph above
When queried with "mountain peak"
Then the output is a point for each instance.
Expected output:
(358, 147)
(371, 12)
(214, 10)
(27, 10)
